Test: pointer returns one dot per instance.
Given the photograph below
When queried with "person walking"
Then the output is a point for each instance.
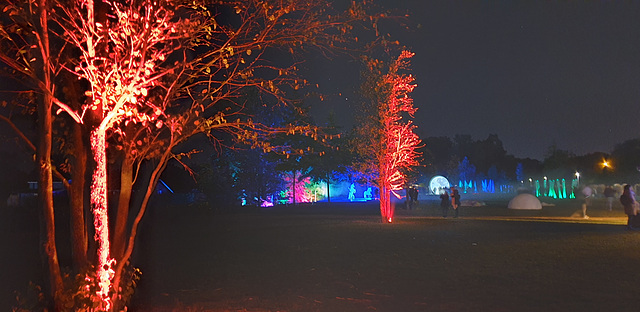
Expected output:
(609, 193)
(413, 196)
(631, 207)
(444, 203)
(587, 193)
(455, 201)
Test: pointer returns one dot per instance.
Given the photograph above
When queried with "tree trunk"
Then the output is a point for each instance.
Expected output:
(45, 193)
(45, 179)
(383, 204)
(122, 215)
(153, 181)
(99, 198)
(386, 210)
(79, 237)
(294, 187)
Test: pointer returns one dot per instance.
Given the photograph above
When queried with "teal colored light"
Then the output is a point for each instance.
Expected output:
(564, 189)
(537, 188)
(552, 190)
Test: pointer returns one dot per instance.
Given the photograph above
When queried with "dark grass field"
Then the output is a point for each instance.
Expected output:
(339, 257)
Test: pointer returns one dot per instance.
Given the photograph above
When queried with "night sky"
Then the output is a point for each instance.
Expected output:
(535, 73)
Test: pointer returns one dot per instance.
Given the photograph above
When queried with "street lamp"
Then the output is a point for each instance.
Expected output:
(578, 177)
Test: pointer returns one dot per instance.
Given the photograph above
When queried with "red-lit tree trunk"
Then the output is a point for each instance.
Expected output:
(45, 194)
(45, 180)
(130, 243)
(79, 237)
(386, 213)
(124, 201)
(99, 199)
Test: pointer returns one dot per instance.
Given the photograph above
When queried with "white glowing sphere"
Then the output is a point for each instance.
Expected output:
(438, 184)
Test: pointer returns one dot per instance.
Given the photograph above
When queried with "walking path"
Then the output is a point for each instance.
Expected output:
(591, 220)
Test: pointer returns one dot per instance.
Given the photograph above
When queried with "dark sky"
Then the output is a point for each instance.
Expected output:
(535, 73)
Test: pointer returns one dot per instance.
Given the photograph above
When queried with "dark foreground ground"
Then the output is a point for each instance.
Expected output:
(339, 257)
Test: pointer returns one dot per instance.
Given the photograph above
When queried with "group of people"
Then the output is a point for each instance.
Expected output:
(627, 199)
(454, 202)
(412, 197)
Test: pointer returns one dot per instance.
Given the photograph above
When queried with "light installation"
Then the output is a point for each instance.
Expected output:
(368, 194)
(554, 188)
(301, 191)
(399, 142)
(488, 186)
(438, 184)
(352, 192)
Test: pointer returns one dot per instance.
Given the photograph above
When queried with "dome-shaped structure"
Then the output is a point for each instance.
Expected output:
(525, 202)
(438, 184)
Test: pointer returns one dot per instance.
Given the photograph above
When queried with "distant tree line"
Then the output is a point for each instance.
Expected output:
(489, 160)
(479, 159)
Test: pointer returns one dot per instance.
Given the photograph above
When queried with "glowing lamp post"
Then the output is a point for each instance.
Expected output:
(606, 166)
(578, 177)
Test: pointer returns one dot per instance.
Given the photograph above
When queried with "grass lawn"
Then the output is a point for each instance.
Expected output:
(339, 257)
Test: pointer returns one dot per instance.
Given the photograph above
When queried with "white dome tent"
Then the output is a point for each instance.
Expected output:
(525, 202)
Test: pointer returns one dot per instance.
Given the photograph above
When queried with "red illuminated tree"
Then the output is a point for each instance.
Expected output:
(158, 72)
(386, 142)
(25, 50)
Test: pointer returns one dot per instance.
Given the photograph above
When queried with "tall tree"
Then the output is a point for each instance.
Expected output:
(157, 73)
(387, 142)
(26, 49)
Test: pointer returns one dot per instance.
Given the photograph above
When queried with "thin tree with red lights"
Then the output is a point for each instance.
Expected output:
(386, 142)
(399, 142)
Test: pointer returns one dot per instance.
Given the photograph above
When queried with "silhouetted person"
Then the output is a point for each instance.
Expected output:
(414, 196)
(631, 207)
(444, 203)
(587, 193)
(609, 193)
(455, 201)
